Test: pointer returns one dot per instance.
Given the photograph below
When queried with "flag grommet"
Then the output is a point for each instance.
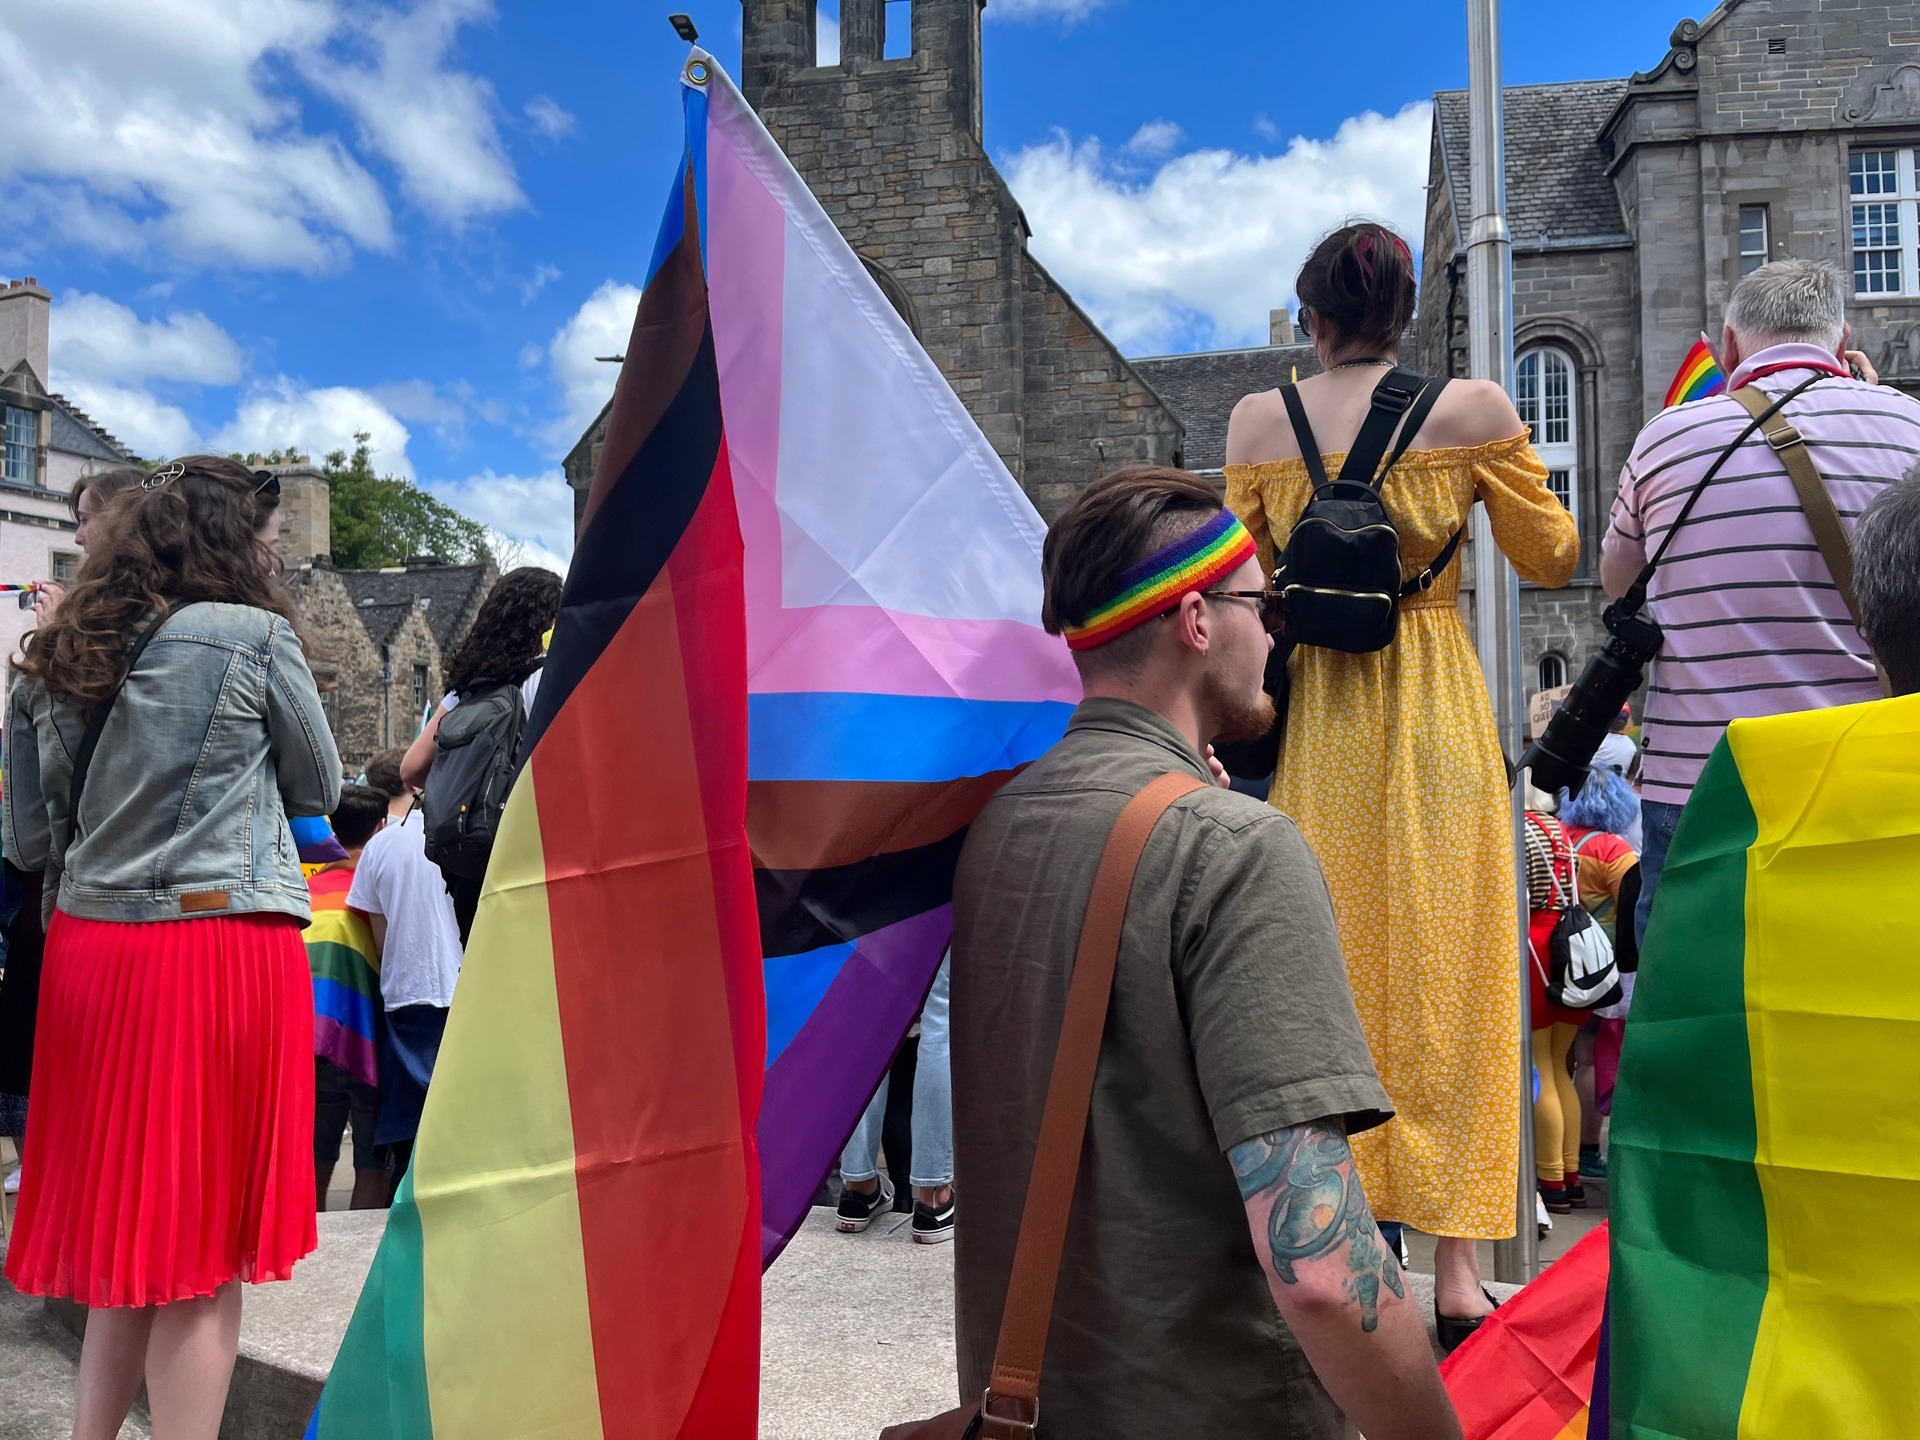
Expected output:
(698, 72)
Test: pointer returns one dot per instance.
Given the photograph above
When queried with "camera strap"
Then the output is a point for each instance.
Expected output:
(1636, 596)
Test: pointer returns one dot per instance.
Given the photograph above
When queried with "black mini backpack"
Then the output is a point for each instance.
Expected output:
(1340, 572)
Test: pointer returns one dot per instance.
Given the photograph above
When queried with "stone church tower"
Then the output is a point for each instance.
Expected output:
(892, 149)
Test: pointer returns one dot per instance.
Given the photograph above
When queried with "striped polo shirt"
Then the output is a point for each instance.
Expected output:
(1753, 620)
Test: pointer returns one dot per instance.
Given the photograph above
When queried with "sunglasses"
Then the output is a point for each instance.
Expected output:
(1271, 604)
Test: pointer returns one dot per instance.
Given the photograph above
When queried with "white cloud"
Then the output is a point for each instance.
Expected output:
(1198, 253)
(542, 276)
(136, 127)
(549, 118)
(100, 339)
(1068, 10)
(533, 513)
(435, 124)
(1156, 138)
(107, 360)
(283, 412)
(601, 326)
(1266, 129)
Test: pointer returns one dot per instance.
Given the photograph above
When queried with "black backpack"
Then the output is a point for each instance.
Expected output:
(476, 755)
(1340, 572)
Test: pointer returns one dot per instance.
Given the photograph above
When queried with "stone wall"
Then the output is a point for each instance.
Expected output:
(370, 706)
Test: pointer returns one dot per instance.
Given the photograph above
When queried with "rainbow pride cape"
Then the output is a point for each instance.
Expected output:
(1527, 1372)
(315, 842)
(798, 648)
(1766, 1146)
(346, 978)
(1699, 375)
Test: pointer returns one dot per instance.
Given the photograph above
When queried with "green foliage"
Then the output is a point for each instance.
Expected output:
(378, 520)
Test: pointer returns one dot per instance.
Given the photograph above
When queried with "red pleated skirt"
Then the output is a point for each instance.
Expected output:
(169, 1147)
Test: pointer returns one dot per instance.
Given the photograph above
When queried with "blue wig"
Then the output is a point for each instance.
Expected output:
(1605, 802)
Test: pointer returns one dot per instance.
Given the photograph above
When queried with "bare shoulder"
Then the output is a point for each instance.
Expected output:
(1470, 412)
(1259, 431)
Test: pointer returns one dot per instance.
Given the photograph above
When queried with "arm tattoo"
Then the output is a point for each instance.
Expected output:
(1318, 1206)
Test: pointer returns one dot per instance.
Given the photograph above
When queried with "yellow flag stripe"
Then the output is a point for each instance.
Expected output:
(509, 1346)
(1834, 1030)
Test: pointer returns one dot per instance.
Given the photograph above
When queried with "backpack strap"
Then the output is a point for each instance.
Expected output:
(1395, 400)
(1303, 435)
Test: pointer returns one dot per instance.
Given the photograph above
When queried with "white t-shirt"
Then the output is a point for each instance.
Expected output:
(421, 960)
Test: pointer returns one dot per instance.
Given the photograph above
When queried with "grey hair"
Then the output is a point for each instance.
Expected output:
(1790, 302)
(1886, 579)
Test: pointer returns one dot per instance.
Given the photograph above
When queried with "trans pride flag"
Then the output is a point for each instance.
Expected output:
(798, 648)
(1765, 1142)
(346, 978)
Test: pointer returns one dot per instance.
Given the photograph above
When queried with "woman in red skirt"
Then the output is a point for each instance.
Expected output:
(163, 725)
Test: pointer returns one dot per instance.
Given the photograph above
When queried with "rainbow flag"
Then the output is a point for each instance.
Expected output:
(1699, 375)
(346, 978)
(1766, 1147)
(798, 648)
(315, 842)
(1527, 1372)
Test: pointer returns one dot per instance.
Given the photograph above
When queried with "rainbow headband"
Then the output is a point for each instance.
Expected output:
(1155, 585)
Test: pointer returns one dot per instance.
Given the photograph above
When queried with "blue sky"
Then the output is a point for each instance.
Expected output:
(279, 221)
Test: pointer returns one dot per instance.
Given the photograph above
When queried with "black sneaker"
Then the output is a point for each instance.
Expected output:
(931, 1226)
(858, 1211)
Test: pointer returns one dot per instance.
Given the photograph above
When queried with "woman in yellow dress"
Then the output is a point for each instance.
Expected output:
(1392, 767)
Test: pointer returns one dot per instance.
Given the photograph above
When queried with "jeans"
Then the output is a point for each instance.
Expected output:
(1658, 819)
(932, 1104)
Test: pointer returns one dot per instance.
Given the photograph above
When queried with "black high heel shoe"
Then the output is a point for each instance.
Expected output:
(1453, 1332)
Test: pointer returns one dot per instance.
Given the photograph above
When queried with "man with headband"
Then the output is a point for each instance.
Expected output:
(1222, 1274)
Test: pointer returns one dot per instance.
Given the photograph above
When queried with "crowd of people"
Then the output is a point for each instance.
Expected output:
(1309, 1039)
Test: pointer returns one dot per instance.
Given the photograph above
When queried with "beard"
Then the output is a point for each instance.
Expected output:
(1238, 717)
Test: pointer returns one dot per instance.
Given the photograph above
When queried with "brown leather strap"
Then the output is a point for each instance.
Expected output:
(1013, 1396)
(1835, 547)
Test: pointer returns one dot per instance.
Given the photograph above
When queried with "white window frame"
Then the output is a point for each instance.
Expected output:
(1540, 670)
(1872, 212)
(14, 417)
(1555, 428)
(1752, 259)
(71, 565)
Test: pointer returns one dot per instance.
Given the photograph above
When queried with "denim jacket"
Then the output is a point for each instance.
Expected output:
(215, 739)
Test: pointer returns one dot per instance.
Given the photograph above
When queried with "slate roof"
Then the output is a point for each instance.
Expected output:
(1557, 181)
(383, 621)
(1202, 389)
(75, 433)
(448, 589)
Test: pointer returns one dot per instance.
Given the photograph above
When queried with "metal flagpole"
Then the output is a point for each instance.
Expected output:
(1496, 598)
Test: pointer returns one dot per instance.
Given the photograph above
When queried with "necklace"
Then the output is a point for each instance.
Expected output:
(1350, 364)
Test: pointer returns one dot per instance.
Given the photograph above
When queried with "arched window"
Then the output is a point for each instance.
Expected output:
(1553, 671)
(1543, 394)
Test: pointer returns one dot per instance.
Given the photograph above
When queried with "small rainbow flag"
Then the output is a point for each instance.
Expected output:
(346, 978)
(1699, 375)
(1764, 1141)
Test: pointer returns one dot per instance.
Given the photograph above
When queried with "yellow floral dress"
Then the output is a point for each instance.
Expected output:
(1392, 770)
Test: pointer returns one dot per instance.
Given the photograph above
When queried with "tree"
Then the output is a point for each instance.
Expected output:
(378, 520)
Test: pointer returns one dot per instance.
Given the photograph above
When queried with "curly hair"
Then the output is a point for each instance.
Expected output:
(194, 537)
(104, 485)
(1605, 802)
(507, 639)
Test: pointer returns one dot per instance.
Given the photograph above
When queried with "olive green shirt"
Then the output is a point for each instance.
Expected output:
(1231, 1017)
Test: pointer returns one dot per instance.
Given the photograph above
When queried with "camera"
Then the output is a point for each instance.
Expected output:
(1561, 756)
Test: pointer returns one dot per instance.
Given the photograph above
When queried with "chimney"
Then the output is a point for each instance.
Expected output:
(24, 311)
(1279, 327)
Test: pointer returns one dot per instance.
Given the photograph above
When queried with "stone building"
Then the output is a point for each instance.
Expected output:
(1770, 128)
(1201, 388)
(46, 444)
(378, 637)
(892, 148)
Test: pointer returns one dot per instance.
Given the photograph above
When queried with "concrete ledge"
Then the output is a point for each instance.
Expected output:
(858, 1330)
